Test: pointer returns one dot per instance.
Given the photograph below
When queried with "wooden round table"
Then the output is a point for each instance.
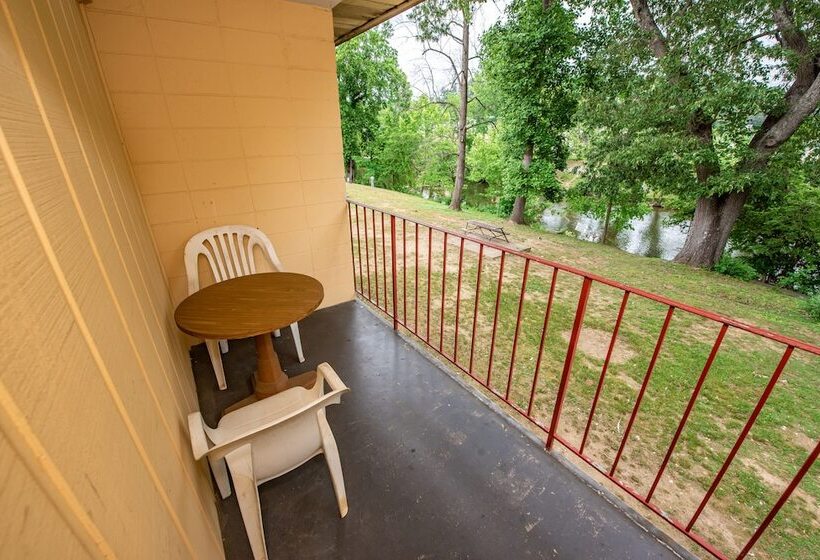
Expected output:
(253, 305)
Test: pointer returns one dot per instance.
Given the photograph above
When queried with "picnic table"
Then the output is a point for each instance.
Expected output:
(484, 229)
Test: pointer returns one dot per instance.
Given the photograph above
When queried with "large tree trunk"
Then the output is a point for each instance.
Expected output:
(517, 214)
(455, 202)
(715, 216)
(351, 170)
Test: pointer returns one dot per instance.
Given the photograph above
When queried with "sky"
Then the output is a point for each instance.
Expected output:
(433, 72)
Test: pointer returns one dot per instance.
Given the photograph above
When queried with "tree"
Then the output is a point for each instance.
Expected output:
(528, 60)
(415, 148)
(369, 80)
(436, 21)
(710, 95)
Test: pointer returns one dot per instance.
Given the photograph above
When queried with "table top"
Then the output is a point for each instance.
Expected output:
(248, 305)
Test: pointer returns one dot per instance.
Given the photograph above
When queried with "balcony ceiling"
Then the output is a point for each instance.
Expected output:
(352, 17)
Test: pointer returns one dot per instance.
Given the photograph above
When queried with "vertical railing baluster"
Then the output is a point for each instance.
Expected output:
(375, 258)
(742, 437)
(384, 266)
(642, 391)
(393, 266)
(573, 343)
(458, 298)
(404, 267)
(782, 500)
(443, 287)
(352, 253)
(475, 305)
(517, 327)
(495, 317)
(689, 406)
(416, 279)
(367, 254)
(544, 327)
(359, 246)
(603, 372)
(429, 268)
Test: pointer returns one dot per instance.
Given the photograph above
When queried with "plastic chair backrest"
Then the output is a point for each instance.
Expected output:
(229, 252)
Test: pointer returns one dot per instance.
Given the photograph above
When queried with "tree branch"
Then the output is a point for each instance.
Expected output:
(646, 21)
(753, 38)
(781, 120)
(786, 125)
(445, 55)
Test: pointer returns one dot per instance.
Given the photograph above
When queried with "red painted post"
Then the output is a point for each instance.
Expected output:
(749, 423)
(475, 306)
(543, 338)
(642, 391)
(782, 500)
(384, 262)
(689, 406)
(367, 254)
(458, 298)
(352, 253)
(393, 266)
(375, 258)
(495, 316)
(603, 372)
(443, 286)
(429, 268)
(404, 267)
(517, 327)
(416, 279)
(573, 343)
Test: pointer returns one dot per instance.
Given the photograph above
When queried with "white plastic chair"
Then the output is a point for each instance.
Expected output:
(229, 252)
(267, 439)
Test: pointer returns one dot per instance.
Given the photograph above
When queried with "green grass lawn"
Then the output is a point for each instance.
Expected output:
(779, 442)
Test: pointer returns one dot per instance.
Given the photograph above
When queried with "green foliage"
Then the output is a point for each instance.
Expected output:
(369, 80)
(485, 160)
(528, 61)
(812, 306)
(723, 65)
(736, 267)
(415, 148)
(779, 232)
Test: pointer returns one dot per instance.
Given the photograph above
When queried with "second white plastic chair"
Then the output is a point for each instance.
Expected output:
(229, 252)
(267, 439)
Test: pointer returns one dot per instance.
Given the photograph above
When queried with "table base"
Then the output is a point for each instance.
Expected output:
(306, 380)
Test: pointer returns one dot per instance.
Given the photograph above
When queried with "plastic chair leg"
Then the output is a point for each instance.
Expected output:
(216, 362)
(240, 462)
(334, 464)
(298, 341)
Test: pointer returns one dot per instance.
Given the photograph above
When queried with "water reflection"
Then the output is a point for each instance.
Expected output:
(650, 235)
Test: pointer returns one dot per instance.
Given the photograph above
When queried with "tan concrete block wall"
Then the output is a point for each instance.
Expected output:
(95, 385)
(229, 112)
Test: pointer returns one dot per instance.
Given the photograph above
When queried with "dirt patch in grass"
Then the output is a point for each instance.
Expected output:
(595, 343)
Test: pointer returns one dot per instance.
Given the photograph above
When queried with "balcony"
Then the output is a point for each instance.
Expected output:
(432, 469)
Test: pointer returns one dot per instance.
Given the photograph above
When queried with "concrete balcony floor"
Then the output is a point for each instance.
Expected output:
(431, 471)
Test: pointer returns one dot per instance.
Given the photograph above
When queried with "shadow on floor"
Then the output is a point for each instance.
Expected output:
(430, 471)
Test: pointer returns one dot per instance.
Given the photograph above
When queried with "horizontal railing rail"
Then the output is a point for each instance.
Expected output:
(381, 247)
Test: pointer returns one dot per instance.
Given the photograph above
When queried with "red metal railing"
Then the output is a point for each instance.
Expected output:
(397, 254)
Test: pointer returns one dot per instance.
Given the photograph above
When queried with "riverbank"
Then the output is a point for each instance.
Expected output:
(763, 305)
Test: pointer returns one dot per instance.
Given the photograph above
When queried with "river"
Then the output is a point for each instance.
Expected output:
(650, 235)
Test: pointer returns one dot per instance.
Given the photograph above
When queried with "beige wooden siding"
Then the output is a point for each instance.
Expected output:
(95, 385)
(229, 111)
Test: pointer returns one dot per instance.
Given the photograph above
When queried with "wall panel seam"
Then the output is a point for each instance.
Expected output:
(185, 467)
(184, 368)
(47, 475)
(68, 293)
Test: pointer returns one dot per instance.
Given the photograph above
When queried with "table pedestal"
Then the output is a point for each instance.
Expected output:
(270, 379)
